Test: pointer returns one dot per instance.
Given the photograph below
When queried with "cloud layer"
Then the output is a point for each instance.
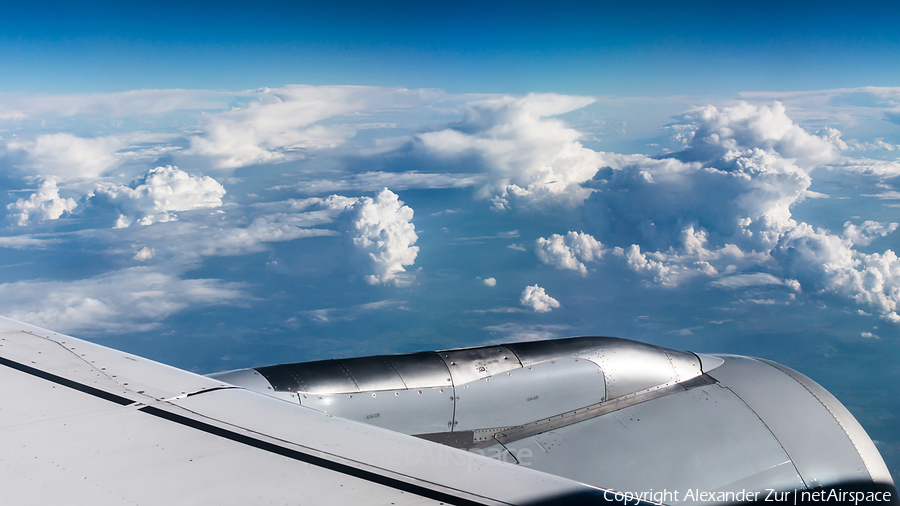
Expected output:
(714, 211)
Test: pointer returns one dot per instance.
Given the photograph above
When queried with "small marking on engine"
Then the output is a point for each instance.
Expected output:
(373, 415)
(532, 398)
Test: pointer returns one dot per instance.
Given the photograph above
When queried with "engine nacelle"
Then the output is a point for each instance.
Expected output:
(608, 412)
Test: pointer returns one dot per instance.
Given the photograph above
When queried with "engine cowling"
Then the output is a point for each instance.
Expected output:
(608, 412)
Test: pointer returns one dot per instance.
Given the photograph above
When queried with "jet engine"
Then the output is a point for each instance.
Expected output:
(660, 424)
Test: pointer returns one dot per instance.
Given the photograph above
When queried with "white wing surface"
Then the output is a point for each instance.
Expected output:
(84, 424)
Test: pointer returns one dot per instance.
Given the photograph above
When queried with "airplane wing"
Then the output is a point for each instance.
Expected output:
(84, 424)
(571, 421)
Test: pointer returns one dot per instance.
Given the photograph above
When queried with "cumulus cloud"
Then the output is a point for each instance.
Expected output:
(723, 205)
(569, 251)
(530, 156)
(868, 231)
(745, 127)
(828, 263)
(45, 204)
(668, 269)
(129, 300)
(862, 110)
(743, 169)
(489, 282)
(382, 229)
(144, 254)
(718, 211)
(690, 258)
(537, 299)
(156, 197)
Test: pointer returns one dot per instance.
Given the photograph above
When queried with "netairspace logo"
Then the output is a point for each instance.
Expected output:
(795, 497)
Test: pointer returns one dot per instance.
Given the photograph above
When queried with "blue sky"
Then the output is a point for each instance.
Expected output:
(245, 185)
(506, 47)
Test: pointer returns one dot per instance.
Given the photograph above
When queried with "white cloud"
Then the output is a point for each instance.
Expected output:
(489, 282)
(662, 268)
(13, 115)
(514, 332)
(879, 144)
(724, 204)
(691, 258)
(502, 310)
(868, 232)
(352, 313)
(185, 243)
(161, 193)
(879, 168)
(719, 211)
(45, 204)
(528, 155)
(537, 299)
(283, 124)
(130, 300)
(745, 280)
(744, 168)
(282, 227)
(569, 252)
(887, 195)
(746, 127)
(721, 204)
(274, 127)
(382, 229)
(862, 110)
(828, 263)
(373, 181)
(188, 242)
(510, 234)
(144, 254)
(126, 104)
(65, 157)
(27, 242)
